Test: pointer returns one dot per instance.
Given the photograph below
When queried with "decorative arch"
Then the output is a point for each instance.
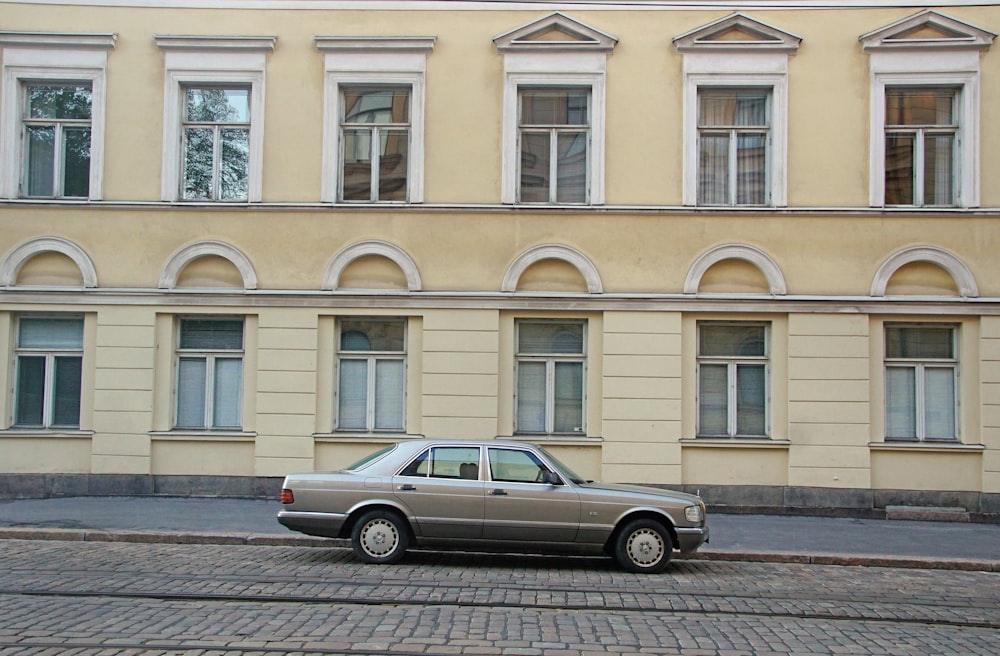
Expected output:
(191, 252)
(751, 254)
(552, 252)
(348, 254)
(948, 261)
(17, 258)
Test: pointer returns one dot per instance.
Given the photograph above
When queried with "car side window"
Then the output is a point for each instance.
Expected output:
(514, 466)
(445, 462)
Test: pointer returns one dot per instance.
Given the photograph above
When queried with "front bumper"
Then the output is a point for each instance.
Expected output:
(689, 539)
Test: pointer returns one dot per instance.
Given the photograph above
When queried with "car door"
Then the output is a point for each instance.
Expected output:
(444, 492)
(521, 506)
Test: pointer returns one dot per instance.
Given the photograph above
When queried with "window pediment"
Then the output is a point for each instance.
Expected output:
(737, 32)
(555, 33)
(927, 30)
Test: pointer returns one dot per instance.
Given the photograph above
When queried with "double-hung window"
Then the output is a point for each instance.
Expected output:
(733, 146)
(371, 361)
(375, 141)
(56, 140)
(921, 129)
(921, 382)
(210, 373)
(215, 132)
(554, 137)
(732, 379)
(551, 358)
(49, 366)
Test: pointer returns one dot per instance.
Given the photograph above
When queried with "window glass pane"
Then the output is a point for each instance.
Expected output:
(446, 462)
(568, 397)
(919, 106)
(76, 162)
(66, 404)
(58, 101)
(353, 395)
(731, 340)
(515, 466)
(554, 338)
(235, 173)
(571, 168)
(228, 393)
(566, 106)
(357, 175)
(938, 178)
(212, 334)
(732, 107)
(713, 404)
(751, 168)
(372, 335)
(389, 386)
(900, 403)
(393, 163)
(191, 381)
(713, 169)
(382, 105)
(216, 105)
(939, 392)
(198, 157)
(920, 342)
(751, 396)
(50, 333)
(41, 161)
(531, 397)
(899, 150)
(535, 171)
(30, 391)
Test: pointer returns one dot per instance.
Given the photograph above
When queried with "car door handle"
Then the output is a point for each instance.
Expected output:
(499, 493)
(407, 488)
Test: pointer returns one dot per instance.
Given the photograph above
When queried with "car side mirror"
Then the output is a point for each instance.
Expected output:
(552, 478)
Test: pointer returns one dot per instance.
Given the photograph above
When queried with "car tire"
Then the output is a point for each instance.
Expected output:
(380, 537)
(643, 546)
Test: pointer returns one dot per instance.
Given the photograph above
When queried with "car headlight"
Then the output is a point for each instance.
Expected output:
(694, 514)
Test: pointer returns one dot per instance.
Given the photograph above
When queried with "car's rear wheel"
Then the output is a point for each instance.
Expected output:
(643, 546)
(380, 536)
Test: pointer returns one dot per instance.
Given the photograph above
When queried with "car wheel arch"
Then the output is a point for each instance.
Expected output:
(627, 518)
(360, 510)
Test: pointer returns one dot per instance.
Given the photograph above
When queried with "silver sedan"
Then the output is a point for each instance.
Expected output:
(489, 495)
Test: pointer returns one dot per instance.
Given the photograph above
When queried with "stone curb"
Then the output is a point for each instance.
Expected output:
(259, 539)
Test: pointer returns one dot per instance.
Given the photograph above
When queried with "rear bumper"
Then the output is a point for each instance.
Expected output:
(689, 539)
(325, 525)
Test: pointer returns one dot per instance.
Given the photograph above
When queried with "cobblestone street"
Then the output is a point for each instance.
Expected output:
(124, 598)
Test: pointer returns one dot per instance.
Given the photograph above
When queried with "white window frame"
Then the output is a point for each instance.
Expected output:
(362, 61)
(50, 354)
(920, 366)
(550, 360)
(553, 134)
(209, 356)
(212, 61)
(732, 386)
(30, 57)
(372, 358)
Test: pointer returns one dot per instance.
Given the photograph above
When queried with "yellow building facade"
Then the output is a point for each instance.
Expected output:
(738, 248)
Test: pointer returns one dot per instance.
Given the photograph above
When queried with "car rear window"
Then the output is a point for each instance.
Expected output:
(370, 458)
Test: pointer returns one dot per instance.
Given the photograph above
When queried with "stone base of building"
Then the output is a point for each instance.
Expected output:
(735, 499)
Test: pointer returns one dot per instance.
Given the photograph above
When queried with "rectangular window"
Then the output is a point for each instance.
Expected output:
(554, 143)
(732, 380)
(49, 368)
(371, 359)
(210, 373)
(57, 126)
(733, 146)
(921, 130)
(216, 143)
(375, 143)
(550, 377)
(921, 382)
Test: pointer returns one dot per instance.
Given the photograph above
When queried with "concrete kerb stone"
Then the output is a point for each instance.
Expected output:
(175, 537)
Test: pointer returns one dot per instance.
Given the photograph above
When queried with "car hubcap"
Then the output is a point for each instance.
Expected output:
(645, 547)
(379, 537)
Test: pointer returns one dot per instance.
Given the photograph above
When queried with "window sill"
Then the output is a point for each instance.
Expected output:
(202, 436)
(568, 440)
(733, 443)
(70, 433)
(351, 436)
(927, 447)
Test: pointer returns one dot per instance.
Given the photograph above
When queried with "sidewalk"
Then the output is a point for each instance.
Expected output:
(766, 538)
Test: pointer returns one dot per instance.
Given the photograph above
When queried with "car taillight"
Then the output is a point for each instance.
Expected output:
(287, 496)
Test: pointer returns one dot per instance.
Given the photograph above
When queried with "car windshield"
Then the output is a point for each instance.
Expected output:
(370, 458)
(573, 476)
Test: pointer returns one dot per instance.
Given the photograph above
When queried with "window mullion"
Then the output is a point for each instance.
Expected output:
(216, 162)
(918, 166)
(370, 401)
(731, 395)
(58, 159)
(553, 165)
(209, 391)
(920, 402)
(376, 163)
(550, 396)
(48, 395)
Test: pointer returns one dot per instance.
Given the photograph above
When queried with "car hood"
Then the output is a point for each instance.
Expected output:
(651, 492)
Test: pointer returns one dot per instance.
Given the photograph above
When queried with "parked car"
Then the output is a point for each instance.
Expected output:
(489, 495)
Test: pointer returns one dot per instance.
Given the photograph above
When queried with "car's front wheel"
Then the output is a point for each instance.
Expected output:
(380, 537)
(643, 546)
